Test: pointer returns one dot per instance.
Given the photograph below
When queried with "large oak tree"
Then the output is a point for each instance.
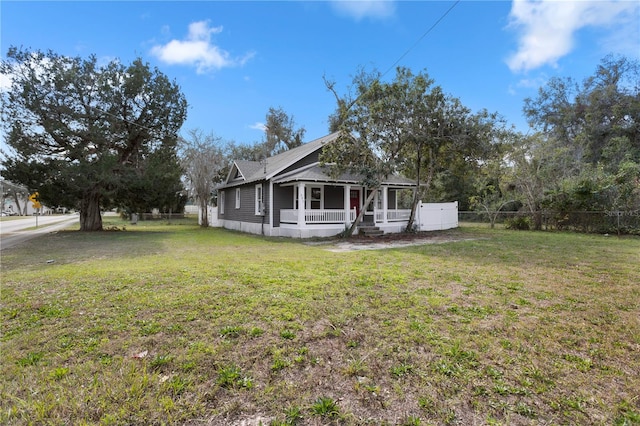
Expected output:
(85, 135)
(406, 125)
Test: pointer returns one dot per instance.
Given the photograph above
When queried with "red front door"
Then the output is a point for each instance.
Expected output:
(354, 197)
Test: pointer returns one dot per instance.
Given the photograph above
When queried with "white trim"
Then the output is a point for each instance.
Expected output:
(237, 198)
(236, 225)
(346, 203)
(301, 202)
(385, 203)
(221, 195)
(270, 207)
(259, 200)
(237, 169)
(310, 198)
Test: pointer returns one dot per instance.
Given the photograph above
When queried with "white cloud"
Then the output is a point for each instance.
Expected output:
(198, 50)
(547, 27)
(359, 9)
(258, 126)
(527, 83)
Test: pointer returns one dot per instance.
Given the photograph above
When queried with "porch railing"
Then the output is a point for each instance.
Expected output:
(393, 215)
(338, 216)
(317, 216)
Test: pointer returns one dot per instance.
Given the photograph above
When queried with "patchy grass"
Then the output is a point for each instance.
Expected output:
(169, 323)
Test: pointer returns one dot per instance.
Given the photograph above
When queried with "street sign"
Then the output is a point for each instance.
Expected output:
(34, 200)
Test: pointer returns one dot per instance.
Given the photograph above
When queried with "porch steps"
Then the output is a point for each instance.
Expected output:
(370, 231)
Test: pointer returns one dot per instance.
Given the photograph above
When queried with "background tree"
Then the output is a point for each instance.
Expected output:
(235, 151)
(482, 140)
(494, 191)
(281, 134)
(598, 120)
(79, 132)
(588, 146)
(203, 159)
(343, 105)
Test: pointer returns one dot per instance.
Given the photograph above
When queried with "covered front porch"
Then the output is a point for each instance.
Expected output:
(328, 208)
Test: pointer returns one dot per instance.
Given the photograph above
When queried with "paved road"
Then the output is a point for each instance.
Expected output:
(14, 232)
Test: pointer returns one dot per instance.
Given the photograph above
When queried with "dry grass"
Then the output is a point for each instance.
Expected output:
(172, 324)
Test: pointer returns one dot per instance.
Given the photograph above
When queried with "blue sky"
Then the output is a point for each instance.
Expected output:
(234, 60)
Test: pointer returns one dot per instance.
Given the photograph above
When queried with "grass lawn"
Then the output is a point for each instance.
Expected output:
(173, 324)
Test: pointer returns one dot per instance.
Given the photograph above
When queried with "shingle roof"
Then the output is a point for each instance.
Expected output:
(253, 171)
(248, 168)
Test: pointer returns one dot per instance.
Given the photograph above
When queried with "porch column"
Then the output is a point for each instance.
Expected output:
(347, 204)
(376, 197)
(301, 204)
(385, 203)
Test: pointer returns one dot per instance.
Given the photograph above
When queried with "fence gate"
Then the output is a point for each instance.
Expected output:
(437, 216)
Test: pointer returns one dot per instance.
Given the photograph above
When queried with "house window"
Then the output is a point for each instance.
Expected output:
(237, 198)
(259, 200)
(315, 200)
(221, 201)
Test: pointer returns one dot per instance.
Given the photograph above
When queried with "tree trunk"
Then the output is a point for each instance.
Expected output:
(537, 220)
(492, 219)
(90, 217)
(414, 205)
(17, 200)
(430, 172)
(361, 214)
(204, 213)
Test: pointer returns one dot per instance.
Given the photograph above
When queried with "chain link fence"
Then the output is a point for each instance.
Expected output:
(603, 222)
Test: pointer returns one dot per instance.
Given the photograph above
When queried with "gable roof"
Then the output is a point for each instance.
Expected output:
(253, 171)
(248, 168)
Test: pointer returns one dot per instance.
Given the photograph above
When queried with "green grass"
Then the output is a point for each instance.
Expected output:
(171, 324)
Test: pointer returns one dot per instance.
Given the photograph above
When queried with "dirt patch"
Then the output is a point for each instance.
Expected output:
(392, 241)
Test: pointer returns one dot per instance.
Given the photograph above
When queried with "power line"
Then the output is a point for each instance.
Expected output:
(431, 28)
(435, 24)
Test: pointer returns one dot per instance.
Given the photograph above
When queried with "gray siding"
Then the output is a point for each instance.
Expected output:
(247, 210)
(283, 199)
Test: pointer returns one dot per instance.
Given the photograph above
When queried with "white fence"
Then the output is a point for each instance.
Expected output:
(437, 216)
(393, 215)
(212, 216)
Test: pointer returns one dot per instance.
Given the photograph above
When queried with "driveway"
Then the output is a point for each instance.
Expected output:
(16, 231)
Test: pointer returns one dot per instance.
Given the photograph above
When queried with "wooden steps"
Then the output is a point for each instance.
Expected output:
(370, 231)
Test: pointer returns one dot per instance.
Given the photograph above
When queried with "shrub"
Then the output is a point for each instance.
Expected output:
(518, 223)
